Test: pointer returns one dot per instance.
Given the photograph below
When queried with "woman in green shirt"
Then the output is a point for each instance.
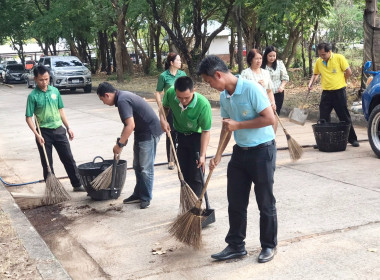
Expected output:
(165, 81)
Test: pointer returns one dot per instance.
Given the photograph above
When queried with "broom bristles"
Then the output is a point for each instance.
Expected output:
(187, 228)
(54, 191)
(103, 180)
(187, 198)
(295, 149)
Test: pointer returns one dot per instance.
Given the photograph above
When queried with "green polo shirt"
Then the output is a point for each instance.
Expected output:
(45, 105)
(196, 117)
(166, 80)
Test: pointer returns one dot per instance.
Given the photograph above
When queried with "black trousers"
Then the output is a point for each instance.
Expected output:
(255, 166)
(279, 100)
(188, 146)
(173, 132)
(57, 138)
(337, 100)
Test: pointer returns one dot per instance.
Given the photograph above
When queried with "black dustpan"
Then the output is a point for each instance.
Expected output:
(208, 214)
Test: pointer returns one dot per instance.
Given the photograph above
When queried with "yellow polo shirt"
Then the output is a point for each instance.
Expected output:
(332, 75)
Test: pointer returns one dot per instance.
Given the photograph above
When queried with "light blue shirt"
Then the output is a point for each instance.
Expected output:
(246, 103)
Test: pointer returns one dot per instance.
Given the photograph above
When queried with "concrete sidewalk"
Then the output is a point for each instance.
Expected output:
(328, 207)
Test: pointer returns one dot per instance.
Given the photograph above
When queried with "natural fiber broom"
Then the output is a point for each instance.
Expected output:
(187, 196)
(295, 150)
(187, 228)
(54, 191)
(103, 180)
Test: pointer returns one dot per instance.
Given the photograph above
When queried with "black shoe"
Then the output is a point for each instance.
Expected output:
(266, 255)
(355, 143)
(315, 146)
(131, 199)
(229, 253)
(79, 189)
(144, 204)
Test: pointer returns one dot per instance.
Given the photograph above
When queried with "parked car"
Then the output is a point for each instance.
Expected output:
(13, 73)
(371, 107)
(8, 62)
(67, 72)
(1, 70)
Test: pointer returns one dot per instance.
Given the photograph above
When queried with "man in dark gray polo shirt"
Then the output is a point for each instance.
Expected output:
(136, 115)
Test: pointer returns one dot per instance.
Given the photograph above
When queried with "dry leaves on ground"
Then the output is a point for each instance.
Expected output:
(14, 260)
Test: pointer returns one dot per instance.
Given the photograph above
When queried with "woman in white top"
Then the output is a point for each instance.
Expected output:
(261, 76)
(278, 74)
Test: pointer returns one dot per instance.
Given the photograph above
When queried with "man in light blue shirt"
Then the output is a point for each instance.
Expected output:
(246, 111)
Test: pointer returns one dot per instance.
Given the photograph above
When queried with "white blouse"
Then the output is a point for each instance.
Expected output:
(264, 75)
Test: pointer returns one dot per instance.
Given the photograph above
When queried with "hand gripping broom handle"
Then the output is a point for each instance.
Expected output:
(43, 145)
(218, 153)
(161, 109)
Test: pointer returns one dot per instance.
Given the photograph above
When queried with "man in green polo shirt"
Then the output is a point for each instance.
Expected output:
(192, 120)
(46, 104)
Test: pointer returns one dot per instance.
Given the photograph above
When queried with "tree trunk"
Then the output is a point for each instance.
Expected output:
(102, 60)
(310, 46)
(122, 57)
(156, 34)
(237, 16)
(232, 49)
(109, 59)
(371, 10)
(303, 55)
(113, 52)
(293, 50)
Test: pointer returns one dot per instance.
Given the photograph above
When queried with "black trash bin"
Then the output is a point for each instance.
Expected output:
(331, 137)
(88, 172)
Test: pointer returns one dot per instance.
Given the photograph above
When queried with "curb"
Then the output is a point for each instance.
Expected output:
(46, 263)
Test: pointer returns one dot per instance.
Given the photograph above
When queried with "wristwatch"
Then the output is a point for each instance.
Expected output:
(121, 145)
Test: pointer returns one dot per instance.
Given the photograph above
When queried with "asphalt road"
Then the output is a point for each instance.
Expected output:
(328, 206)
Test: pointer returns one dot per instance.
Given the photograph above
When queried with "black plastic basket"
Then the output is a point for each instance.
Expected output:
(89, 171)
(331, 137)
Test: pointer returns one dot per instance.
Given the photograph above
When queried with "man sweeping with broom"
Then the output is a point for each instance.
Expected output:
(246, 111)
(46, 104)
(192, 120)
(138, 117)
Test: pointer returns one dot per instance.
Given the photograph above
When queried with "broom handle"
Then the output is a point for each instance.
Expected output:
(278, 118)
(43, 145)
(161, 109)
(218, 153)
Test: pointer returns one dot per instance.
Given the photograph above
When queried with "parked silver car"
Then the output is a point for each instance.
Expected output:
(67, 72)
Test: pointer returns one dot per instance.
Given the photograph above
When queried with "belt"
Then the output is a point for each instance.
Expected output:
(187, 133)
(258, 146)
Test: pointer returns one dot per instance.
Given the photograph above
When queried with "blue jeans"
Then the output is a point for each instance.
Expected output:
(144, 153)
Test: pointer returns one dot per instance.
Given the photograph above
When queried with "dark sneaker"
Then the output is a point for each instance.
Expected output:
(79, 189)
(229, 253)
(131, 199)
(144, 204)
(266, 255)
(355, 144)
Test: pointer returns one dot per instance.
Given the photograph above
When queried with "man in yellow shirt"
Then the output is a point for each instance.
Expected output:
(334, 71)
